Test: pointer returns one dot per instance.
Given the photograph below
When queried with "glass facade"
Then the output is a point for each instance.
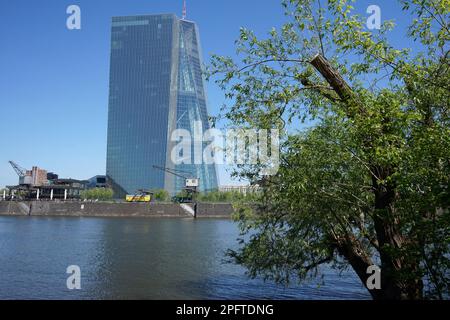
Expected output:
(191, 102)
(156, 86)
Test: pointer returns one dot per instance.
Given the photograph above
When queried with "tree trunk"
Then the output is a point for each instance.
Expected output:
(356, 257)
(394, 284)
(394, 268)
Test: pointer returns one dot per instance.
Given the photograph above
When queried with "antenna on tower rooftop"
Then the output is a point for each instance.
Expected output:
(184, 10)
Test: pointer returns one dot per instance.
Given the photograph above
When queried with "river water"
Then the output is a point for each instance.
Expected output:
(139, 259)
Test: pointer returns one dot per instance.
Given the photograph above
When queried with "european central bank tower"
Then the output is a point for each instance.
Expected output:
(156, 86)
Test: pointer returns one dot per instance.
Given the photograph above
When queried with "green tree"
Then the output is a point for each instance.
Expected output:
(369, 183)
(161, 195)
(101, 194)
(228, 196)
(183, 195)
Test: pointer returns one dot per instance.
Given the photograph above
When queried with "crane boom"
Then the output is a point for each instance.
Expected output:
(21, 172)
(191, 183)
(175, 172)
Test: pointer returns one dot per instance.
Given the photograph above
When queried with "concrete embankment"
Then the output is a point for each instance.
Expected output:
(99, 209)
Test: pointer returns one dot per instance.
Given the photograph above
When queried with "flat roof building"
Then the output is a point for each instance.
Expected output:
(97, 182)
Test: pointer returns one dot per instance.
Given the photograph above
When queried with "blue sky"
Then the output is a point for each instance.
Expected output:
(54, 82)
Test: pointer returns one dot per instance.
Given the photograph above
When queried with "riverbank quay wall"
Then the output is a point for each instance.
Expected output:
(100, 209)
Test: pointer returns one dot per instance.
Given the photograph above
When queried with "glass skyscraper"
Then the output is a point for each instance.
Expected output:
(156, 86)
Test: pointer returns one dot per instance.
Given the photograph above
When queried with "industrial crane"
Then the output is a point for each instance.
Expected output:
(190, 184)
(21, 172)
(24, 178)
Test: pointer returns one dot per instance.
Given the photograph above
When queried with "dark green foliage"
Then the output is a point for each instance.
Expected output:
(100, 194)
(230, 197)
(161, 195)
(369, 183)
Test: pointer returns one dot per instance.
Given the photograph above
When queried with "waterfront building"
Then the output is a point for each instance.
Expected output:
(156, 86)
(97, 182)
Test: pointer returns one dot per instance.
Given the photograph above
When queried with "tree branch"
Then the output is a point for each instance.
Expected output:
(270, 60)
(333, 77)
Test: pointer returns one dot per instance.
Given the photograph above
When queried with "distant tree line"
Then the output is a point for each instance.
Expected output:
(100, 194)
(228, 196)
(161, 195)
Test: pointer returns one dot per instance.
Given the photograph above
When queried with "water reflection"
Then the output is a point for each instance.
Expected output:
(137, 259)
